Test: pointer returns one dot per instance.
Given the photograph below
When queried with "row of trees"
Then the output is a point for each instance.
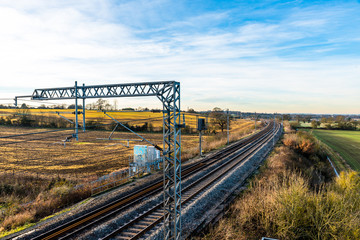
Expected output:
(100, 104)
(339, 123)
(23, 117)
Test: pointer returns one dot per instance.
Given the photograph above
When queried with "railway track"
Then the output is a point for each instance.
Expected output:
(148, 220)
(154, 217)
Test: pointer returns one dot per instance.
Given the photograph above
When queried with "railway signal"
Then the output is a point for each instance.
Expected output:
(227, 125)
(201, 125)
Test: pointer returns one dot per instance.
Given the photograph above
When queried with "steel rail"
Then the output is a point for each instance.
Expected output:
(138, 200)
(221, 170)
(141, 193)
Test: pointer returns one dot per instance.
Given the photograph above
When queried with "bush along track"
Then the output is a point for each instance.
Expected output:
(207, 204)
(295, 196)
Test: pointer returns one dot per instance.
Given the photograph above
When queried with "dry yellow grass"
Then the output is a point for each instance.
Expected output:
(89, 157)
(284, 201)
(134, 118)
(28, 169)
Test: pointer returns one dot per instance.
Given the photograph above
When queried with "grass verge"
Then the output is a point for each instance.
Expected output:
(295, 197)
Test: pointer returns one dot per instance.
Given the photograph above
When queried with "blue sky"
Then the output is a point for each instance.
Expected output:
(264, 56)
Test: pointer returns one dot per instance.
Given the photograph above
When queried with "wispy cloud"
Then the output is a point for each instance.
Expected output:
(273, 57)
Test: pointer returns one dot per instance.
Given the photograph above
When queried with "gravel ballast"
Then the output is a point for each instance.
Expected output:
(191, 214)
(207, 207)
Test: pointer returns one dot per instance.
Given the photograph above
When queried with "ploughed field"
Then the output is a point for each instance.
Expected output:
(87, 158)
(83, 160)
(39, 175)
(346, 143)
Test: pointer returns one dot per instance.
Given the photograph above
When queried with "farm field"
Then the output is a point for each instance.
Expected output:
(321, 126)
(86, 159)
(31, 171)
(346, 143)
(131, 117)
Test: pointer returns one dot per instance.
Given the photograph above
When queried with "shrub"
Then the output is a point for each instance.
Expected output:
(280, 203)
(302, 142)
(59, 194)
(17, 220)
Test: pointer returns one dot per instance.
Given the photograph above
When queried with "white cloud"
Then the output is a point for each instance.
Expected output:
(54, 43)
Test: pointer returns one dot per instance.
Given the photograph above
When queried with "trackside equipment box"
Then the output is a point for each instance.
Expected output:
(151, 155)
(140, 154)
(145, 154)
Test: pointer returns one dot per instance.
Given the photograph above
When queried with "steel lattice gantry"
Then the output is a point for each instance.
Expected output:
(169, 94)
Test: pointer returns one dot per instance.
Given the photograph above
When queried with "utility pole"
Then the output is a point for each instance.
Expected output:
(255, 121)
(274, 132)
(76, 113)
(83, 113)
(200, 140)
(228, 126)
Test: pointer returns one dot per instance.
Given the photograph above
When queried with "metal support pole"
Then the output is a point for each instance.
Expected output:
(172, 162)
(274, 132)
(76, 113)
(83, 113)
(228, 126)
(156, 146)
(169, 94)
(58, 113)
(113, 131)
(255, 121)
(200, 140)
(17, 97)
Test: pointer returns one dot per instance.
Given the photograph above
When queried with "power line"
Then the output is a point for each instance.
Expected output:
(43, 102)
(27, 134)
(34, 139)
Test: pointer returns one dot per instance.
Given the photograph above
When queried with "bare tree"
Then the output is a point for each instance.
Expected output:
(101, 104)
(218, 118)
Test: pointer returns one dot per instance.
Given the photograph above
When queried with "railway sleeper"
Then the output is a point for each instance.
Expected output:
(142, 226)
(123, 238)
(152, 218)
(128, 234)
(158, 213)
(135, 229)
(148, 222)
(186, 195)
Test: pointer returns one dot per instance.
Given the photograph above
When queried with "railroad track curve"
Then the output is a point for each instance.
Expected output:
(90, 219)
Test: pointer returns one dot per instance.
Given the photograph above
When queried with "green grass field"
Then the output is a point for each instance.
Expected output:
(346, 143)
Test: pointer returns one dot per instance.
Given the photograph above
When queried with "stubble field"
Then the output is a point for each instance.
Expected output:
(83, 160)
(35, 169)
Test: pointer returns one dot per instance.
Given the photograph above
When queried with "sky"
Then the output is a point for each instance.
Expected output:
(264, 56)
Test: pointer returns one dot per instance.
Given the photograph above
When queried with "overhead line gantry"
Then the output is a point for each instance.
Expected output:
(168, 92)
